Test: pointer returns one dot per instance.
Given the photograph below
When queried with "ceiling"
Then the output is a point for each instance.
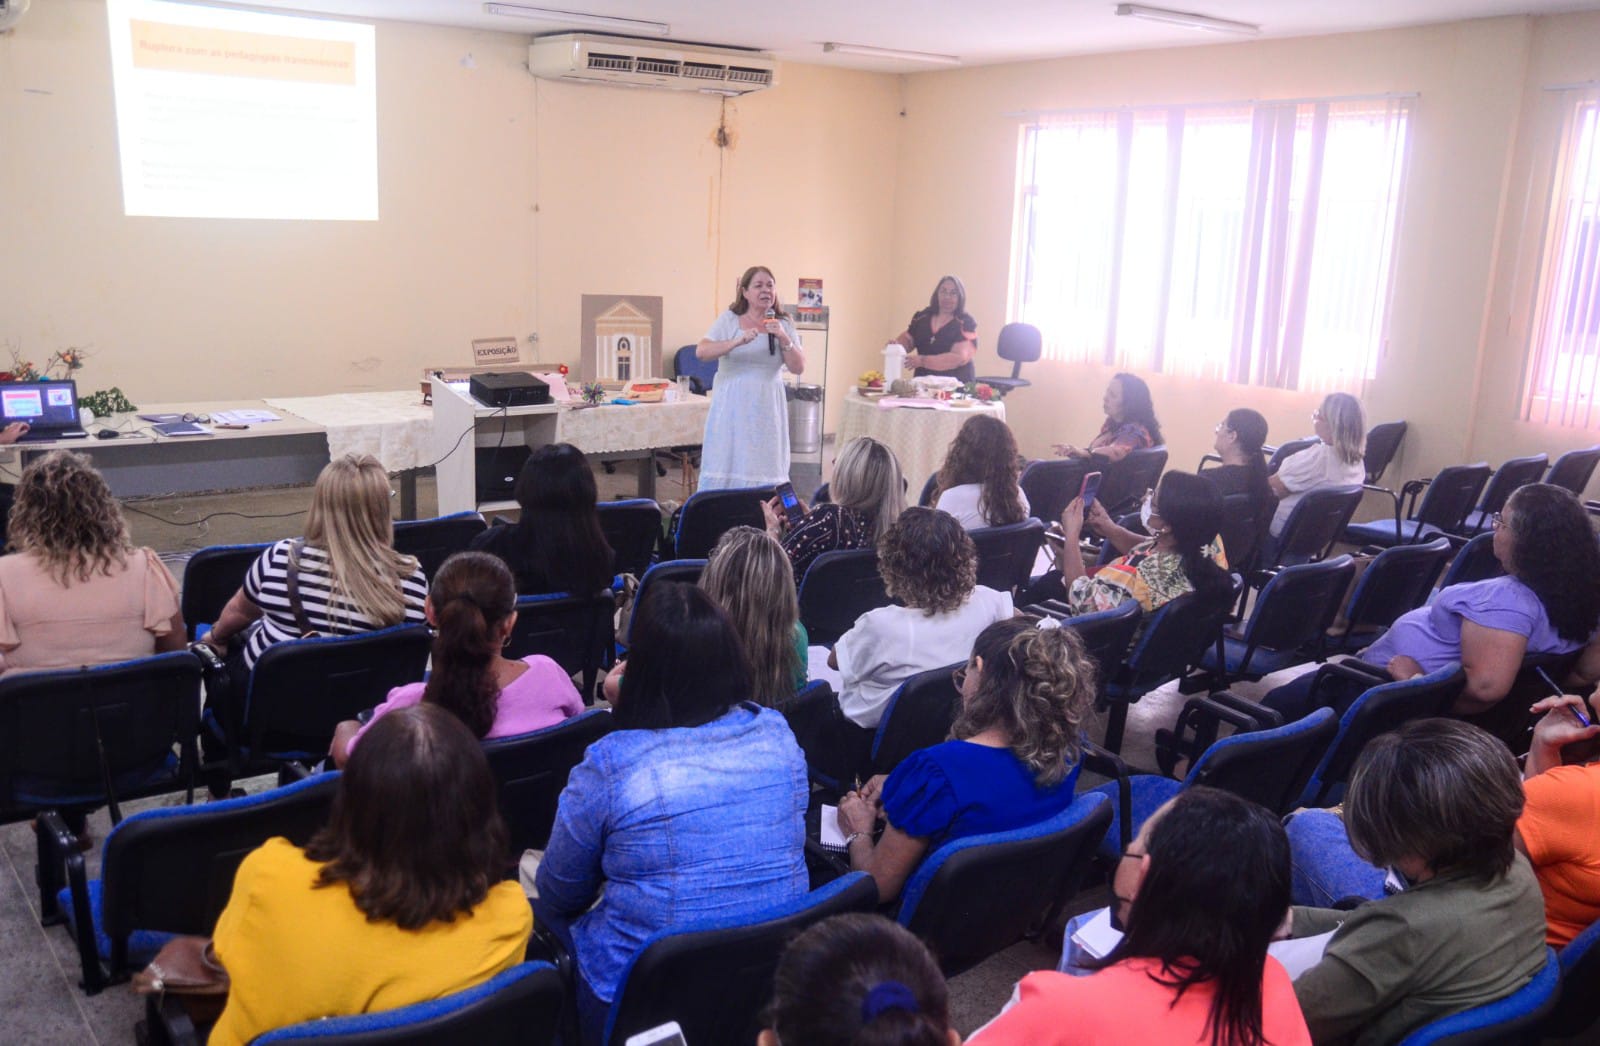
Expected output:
(979, 33)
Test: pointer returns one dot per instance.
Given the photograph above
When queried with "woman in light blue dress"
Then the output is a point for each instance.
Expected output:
(747, 432)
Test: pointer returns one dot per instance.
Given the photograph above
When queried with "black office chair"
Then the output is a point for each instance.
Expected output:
(714, 977)
(170, 871)
(1578, 1009)
(1174, 641)
(1123, 483)
(78, 738)
(918, 716)
(435, 540)
(531, 769)
(1242, 530)
(1006, 554)
(839, 587)
(576, 632)
(1269, 767)
(976, 896)
(1446, 500)
(522, 1006)
(1313, 527)
(1385, 706)
(1397, 580)
(1518, 472)
(708, 514)
(1573, 469)
(1383, 442)
(685, 571)
(1106, 634)
(1051, 484)
(301, 689)
(1292, 613)
(633, 530)
(210, 579)
(1020, 343)
(1277, 455)
(1475, 562)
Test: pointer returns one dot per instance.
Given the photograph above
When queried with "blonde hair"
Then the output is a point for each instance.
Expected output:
(1349, 425)
(866, 478)
(749, 576)
(1038, 687)
(65, 516)
(349, 520)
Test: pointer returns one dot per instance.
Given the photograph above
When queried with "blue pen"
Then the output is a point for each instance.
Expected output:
(1582, 719)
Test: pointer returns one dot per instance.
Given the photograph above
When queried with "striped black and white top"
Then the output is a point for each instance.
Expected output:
(267, 586)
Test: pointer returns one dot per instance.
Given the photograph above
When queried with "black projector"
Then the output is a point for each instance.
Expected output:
(511, 389)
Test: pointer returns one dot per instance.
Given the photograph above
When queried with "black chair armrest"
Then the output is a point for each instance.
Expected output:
(1264, 717)
(1204, 458)
(1359, 672)
(167, 1023)
(1108, 764)
(1210, 712)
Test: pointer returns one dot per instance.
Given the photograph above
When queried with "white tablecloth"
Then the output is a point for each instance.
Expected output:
(919, 436)
(645, 426)
(393, 427)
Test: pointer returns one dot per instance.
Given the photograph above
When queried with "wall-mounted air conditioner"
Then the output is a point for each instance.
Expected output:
(626, 62)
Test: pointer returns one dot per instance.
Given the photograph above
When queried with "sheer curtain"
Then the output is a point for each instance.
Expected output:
(1564, 361)
(1247, 243)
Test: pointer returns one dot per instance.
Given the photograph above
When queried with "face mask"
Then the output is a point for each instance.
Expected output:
(1144, 515)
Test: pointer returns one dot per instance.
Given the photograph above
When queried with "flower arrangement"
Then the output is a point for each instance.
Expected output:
(593, 393)
(982, 392)
(58, 367)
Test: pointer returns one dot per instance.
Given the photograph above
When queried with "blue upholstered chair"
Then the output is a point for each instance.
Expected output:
(435, 540)
(976, 896)
(632, 527)
(1578, 1009)
(839, 587)
(1512, 1020)
(521, 1006)
(714, 977)
(210, 578)
(708, 514)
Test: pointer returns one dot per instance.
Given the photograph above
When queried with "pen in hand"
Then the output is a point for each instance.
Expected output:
(1556, 691)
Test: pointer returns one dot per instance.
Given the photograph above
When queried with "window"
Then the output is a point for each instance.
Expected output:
(1246, 243)
(1565, 350)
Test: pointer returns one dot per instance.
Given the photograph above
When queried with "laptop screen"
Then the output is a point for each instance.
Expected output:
(42, 404)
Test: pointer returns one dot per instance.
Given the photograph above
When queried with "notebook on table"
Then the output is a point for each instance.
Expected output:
(50, 409)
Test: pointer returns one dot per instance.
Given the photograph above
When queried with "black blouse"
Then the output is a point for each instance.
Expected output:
(930, 342)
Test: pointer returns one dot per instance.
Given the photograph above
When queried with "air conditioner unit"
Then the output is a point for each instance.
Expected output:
(626, 62)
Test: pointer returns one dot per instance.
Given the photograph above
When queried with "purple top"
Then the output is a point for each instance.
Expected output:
(540, 697)
(1432, 634)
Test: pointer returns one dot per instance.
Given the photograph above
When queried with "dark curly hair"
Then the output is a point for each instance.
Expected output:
(1553, 552)
(927, 561)
(64, 514)
(1037, 686)
(985, 452)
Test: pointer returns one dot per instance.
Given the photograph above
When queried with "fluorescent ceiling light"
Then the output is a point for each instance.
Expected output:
(1188, 19)
(886, 52)
(545, 14)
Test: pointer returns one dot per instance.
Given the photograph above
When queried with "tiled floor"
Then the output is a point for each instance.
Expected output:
(40, 1001)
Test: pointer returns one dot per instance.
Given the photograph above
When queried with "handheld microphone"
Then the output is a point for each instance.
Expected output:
(772, 341)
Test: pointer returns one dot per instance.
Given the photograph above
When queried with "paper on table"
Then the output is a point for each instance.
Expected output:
(244, 417)
(831, 837)
(1098, 936)
(1300, 954)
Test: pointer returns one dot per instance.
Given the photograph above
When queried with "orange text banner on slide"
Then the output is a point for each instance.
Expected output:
(227, 52)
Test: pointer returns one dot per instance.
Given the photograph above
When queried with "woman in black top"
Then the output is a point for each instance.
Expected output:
(1238, 442)
(557, 544)
(942, 338)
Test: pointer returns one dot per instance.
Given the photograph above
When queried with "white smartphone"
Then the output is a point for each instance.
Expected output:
(668, 1034)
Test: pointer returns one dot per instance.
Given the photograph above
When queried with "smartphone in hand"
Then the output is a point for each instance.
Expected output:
(668, 1034)
(791, 503)
(1090, 487)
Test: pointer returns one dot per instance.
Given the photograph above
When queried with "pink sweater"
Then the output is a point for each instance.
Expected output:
(540, 697)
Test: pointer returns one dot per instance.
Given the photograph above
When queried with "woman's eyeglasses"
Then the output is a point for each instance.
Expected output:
(1498, 521)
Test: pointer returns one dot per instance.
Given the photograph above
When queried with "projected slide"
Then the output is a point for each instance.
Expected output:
(235, 114)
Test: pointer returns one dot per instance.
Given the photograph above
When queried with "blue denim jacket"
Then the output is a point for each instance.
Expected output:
(680, 825)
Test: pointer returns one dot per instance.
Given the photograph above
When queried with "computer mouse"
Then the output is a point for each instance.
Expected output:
(107, 434)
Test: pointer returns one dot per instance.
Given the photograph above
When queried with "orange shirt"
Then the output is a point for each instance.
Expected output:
(1123, 1005)
(1558, 828)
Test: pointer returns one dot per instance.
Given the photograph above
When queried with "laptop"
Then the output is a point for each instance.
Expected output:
(49, 407)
